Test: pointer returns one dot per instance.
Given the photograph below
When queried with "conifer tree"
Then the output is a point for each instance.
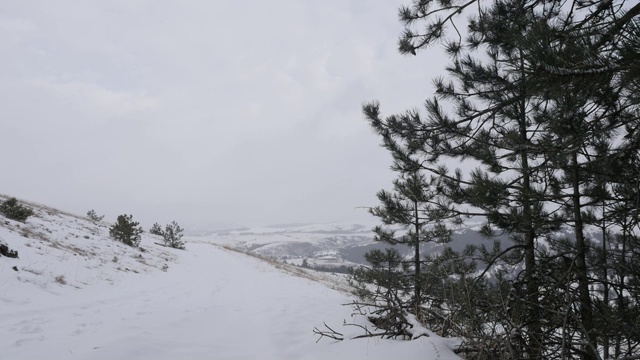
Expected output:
(126, 230)
(387, 299)
(492, 126)
(589, 123)
(156, 230)
(91, 214)
(172, 235)
(14, 210)
(534, 131)
(412, 208)
(542, 110)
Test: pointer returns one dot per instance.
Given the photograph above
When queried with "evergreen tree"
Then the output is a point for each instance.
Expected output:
(590, 128)
(387, 301)
(126, 230)
(543, 102)
(414, 208)
(492, 127)
(618, 268)
(172, 235)
(91, 214)
(14, 210)
(412, 215)
(156, 230)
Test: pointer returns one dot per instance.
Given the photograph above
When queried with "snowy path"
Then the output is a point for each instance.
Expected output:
(214, 304)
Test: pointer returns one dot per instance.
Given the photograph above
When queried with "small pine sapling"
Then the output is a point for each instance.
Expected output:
(91, 214)
(15, 211)
(173, 235)
(156, 230)
(126, 230)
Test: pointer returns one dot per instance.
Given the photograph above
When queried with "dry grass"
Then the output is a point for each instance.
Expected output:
(71, 248)
(32, 234)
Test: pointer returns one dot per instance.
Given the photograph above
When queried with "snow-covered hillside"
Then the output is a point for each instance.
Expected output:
(74, 293)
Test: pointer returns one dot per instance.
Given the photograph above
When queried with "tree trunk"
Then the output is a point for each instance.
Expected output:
(534, 329)
(584, 297)
(605, 275)
(418, 289)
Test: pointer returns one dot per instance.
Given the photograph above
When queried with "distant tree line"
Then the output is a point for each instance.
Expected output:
(534, 129)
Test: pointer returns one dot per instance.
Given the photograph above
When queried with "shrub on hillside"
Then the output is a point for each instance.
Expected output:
(156, 230)
(91, 214)
(172, 235)
(126, 230)
(5, 251)
(12, 210)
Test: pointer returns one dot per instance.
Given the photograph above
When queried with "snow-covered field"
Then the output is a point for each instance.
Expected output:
(77, 294)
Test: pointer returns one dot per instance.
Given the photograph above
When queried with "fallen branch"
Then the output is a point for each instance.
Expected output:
(330, 334)
(168, 246)
(367, 332)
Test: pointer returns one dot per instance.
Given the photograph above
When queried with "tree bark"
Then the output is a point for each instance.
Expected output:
(586, 314)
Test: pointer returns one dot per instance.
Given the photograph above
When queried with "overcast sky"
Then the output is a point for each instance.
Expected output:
(221, 113)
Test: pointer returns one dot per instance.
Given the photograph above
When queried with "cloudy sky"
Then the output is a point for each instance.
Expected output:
(221, 113)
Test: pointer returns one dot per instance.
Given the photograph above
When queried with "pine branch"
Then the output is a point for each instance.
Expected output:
(618, 25)
(496, 258)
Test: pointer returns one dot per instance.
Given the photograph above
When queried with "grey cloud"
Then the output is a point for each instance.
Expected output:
(204, 112)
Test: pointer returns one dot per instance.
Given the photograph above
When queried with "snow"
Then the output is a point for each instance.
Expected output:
(327, 235)
(79, 295)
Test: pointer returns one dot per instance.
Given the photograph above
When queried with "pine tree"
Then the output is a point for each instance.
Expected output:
(492, 126)
(387, 300)
(412, 216)
(412, 207)
(14, 210)
(590, 123)
(544, 107)
(126, 230)
(172, 235)
(619, 270)
(91, 214)
(156, 230)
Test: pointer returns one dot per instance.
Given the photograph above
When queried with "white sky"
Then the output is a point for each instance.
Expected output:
(213, 113)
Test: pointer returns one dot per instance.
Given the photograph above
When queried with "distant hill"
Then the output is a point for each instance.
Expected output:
(325, 245)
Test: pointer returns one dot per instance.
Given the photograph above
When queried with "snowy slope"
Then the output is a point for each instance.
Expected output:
(210, 303)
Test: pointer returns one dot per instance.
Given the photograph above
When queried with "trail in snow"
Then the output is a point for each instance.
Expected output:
(215, 304)
(212, 303)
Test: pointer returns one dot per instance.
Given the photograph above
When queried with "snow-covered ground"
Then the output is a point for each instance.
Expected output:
(77, 294)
